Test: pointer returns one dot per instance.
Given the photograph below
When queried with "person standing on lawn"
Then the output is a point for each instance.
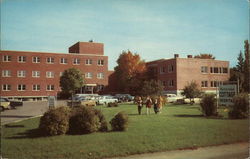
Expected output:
(160, 104)
(148, 104)
(156, 102)
(139, 105)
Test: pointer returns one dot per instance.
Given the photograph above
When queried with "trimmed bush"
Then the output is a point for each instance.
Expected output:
(115, 104)
(119, 122)
(83, 121)
(55, 121)
(240, 108)
(208, 105)
(102, 120)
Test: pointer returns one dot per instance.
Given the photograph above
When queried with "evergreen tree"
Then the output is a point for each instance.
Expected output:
(246, 67)
(240, 65)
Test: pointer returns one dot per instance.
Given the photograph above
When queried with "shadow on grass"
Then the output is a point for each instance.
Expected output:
(33, 133)
(189, 115)
(13, 126)
(15, 116)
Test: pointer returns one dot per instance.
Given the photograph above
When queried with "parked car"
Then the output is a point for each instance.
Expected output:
(85, 101)
(4, 104)
(15, 103)
(107, 99)
(124, 97)
(171, 98)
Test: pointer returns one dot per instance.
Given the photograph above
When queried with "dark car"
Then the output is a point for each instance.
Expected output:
(14, 103)
(124, 97)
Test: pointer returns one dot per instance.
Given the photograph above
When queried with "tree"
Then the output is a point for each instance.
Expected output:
(191, 91)
(71, 80)
(235, 75)
(205, 56)
(246, 67)
(130, 69)
(241, 62)
(151, 87)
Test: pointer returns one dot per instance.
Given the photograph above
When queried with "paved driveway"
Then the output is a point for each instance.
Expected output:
(28, 110)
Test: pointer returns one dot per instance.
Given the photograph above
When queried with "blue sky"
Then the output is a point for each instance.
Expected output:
(152, 28)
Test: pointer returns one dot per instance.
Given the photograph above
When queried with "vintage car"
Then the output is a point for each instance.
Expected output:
(85, 101)
(107, 99)
(4, 104)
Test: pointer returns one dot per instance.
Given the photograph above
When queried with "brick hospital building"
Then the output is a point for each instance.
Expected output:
(36, 75)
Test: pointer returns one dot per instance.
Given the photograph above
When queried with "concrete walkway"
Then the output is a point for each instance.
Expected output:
(230, 151)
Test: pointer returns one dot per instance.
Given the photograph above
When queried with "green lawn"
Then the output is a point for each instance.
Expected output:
(178, 127)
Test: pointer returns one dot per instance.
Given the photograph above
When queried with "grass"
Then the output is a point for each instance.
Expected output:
(177, 127)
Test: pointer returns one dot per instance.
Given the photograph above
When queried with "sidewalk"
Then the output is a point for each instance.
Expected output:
(230, 151)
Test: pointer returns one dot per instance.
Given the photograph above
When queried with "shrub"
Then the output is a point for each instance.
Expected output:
(119, 122)
(102, 121)
(208, 105)
(240, 109)
(55, 121)
(115, 104)
(83, 121)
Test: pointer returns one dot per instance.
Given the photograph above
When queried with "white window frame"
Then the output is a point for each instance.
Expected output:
(6, 87)
(100, 62)
(36, 87)
(22, 86)
(22, 59)
(21, 73)
(60, 74)
(50, 60)
(88, 62)
(6, 58)
(36, 59)
(170, 83)
(100, 75)
(36, 74)
(76, 61)
(50, 74)
(6, 73)
(170, 68)
(204, 69)
(63, 60)
(204, 84)
(50, 87)
(88, 75)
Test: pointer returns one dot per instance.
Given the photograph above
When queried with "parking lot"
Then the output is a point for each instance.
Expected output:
(28, 110)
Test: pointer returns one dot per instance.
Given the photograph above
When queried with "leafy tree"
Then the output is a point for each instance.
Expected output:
(235, 75)
(130, 69)
(205, 56)
(71, 80)
(241, 62)
(151, 87)
(246, 67)
(191, 91)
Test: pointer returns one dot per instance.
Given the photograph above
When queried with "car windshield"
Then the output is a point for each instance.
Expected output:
(4, 100)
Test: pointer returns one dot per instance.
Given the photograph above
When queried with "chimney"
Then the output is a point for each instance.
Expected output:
(176, 56)
(189, 56)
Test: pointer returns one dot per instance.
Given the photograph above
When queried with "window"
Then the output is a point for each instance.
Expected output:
(170, 68)
(225, 70)
(204, 84)
(216, 70)
(211, 70)
(36, 87)
(21, 58)
(6, 73)
(88, 75)
(164, 83)
(100, 62)
(35, 73)
(162, 70)
(50, 87)
(6, 87)
(6, 58)
(88, 62)
(36, 59)
(216, 83)
(220, 70)
(171, 83)
(64, 61)
(100, 75)
(21, 87)
(61, 73)
(76, 61)
(50, 60)
(21, 73)
(204, 69)
(49, 74)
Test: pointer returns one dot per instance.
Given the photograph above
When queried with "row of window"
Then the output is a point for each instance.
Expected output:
(170, 69)
(23, 87)
(204, 84)
(51, 60)
(49, 74)
(169, 83)
(204, 69)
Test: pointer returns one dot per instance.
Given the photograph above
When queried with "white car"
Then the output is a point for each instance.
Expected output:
(107, 99)
(171, 98)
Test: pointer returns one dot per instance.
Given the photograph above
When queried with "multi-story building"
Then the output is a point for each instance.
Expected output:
(36, 75)
(177, 72)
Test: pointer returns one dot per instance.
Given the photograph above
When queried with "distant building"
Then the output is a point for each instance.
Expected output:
(36, 75)
(177, 72)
